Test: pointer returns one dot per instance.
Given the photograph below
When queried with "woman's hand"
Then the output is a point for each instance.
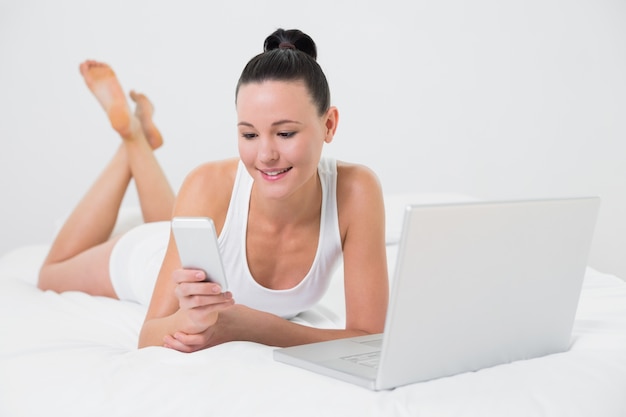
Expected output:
(199, 302)
(232, 323)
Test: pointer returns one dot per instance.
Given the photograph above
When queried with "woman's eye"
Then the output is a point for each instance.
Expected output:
(248, 135)
(286, 134)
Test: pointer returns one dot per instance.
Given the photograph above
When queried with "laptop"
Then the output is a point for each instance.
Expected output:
(476, 285)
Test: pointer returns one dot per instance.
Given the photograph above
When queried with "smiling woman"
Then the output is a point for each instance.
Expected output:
(295, 140)
(285, 217)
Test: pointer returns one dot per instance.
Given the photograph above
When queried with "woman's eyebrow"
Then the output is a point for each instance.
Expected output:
(284, 121)
(279, 122)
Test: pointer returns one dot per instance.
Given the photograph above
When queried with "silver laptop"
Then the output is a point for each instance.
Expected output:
(475, 285)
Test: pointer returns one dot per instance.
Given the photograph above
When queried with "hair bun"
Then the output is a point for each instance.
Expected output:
(291, 39)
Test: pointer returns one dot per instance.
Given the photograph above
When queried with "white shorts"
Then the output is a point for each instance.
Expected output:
(136, 260)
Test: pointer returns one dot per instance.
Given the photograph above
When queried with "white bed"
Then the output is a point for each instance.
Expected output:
(75, 355)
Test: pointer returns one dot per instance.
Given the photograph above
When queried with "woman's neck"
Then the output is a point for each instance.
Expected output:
(297, 208)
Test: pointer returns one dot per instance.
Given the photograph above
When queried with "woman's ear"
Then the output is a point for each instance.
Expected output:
(330, 123)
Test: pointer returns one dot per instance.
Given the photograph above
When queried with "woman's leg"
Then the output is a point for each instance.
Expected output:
(79, 256)
(156, 196)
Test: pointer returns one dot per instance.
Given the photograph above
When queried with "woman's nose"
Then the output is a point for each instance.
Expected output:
(267, 150)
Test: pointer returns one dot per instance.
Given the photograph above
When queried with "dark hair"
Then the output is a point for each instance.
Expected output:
(289, 55)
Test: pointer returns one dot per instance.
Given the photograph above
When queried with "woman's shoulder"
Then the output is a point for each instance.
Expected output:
(209, 170)
(207, 188)
(355, 178)
(359, 199)
(358, 187)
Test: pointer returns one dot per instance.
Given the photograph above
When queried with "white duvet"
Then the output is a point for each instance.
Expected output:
(75, 355)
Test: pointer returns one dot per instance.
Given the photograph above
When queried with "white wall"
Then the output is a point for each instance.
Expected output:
(494, 99)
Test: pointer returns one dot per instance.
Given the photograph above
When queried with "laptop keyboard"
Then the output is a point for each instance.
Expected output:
(369, 359)
(376, 343)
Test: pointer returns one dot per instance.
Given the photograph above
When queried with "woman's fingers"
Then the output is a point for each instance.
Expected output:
(193, 291)
(184, 342)
(188, 275)
(189, 298)
(173, 343)
(187, 289)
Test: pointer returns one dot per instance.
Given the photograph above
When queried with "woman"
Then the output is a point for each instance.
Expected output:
(284, 217)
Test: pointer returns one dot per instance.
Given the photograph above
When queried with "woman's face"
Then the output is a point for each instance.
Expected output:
(281, 136)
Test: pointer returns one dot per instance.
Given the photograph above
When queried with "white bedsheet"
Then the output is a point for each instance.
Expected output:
(75, 355)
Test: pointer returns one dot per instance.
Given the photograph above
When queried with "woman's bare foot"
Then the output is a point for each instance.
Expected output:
(144, 112)
(103, 83)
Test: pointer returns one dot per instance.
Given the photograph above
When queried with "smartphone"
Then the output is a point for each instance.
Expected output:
(196, 240)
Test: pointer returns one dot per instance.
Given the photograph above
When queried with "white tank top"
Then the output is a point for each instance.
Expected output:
(232, 241)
